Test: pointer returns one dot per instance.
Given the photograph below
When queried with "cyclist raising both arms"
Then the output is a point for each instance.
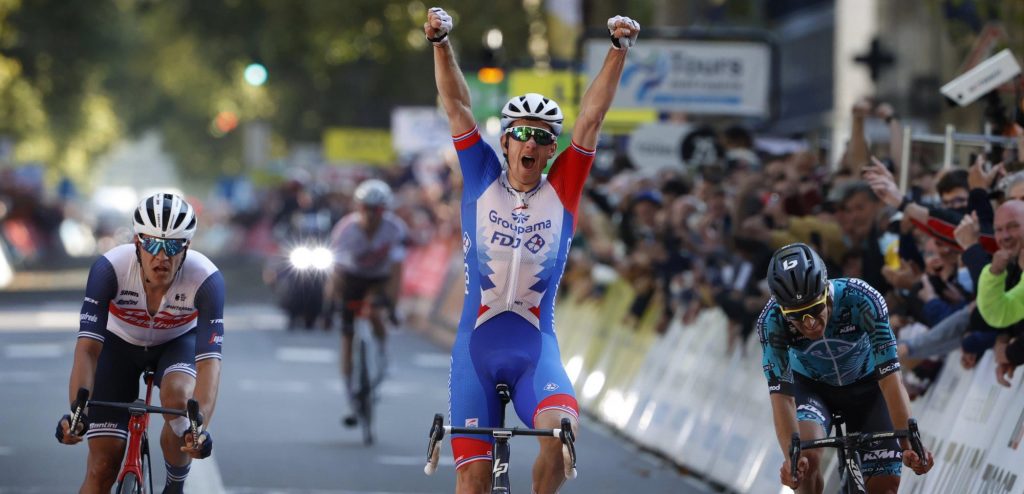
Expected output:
(828, 347)
(517, 224)
(368, 246)
(150, 304)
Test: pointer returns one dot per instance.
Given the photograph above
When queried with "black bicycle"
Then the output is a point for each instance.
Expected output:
(501, 452)
(848, 448)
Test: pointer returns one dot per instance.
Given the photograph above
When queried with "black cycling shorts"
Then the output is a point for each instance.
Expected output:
(863, 409)
(355, 289)
(117, 377)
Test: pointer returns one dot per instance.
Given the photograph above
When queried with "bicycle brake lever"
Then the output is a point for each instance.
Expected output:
(81, 400)
(915, 439)
(436, 436)
(794, 454)
(194, 420)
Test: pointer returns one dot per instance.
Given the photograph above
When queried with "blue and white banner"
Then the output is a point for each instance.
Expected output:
(706, 77)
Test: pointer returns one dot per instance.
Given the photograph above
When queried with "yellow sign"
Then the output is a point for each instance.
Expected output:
(356, 145)
(562, 85)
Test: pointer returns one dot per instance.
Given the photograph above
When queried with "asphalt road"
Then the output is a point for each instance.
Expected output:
(277, 426)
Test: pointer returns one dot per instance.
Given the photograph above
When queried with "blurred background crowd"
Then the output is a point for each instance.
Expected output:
(267, 140)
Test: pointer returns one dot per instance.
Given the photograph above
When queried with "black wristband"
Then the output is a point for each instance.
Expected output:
(615, 41)
(438, 39)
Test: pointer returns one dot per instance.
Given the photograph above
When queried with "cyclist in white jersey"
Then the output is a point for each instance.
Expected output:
(151, 304)
(368, 246)
(517, 225)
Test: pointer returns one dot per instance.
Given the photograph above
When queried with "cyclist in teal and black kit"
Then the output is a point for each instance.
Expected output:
(828, 347)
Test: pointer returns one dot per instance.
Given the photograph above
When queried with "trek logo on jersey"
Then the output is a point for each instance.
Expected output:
(216, 321)
(92, 301)
(550, 387)
(473, 422)
(535, 244)
(516, 228)
(88, 317)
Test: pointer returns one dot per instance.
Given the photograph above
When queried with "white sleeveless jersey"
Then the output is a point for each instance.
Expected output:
(129, 318)
(370, 257)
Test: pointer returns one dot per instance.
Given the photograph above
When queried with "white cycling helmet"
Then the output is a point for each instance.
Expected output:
(165, 216)
(532, 106)
(373, 192)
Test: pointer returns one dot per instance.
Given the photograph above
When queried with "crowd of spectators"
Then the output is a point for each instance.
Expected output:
(946, 254)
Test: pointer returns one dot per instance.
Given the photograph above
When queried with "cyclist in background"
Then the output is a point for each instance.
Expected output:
(828, 347)
(148, 304)
(517, 224)
(368, 246)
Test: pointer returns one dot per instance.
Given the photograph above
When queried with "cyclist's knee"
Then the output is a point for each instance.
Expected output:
(883, 484)
(102, 465)
(175, 389)
(813, 462)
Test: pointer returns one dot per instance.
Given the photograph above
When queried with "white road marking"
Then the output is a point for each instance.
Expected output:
(432, 360)
(307, 355)
(270, 387)
(204, 477)
(409, 461)
(34, 350)
(22, 377)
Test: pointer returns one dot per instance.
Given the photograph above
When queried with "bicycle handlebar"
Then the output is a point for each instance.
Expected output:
(854, 440)
(77, 408)
(564, 432)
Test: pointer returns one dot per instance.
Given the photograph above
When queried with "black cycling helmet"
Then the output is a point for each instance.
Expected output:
(796, 276)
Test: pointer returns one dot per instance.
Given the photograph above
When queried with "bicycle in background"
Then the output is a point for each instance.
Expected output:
(132, 478)
(501, 451)
(368, 368)
(848, 448)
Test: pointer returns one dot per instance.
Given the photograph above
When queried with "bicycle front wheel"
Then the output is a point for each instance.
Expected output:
(130, 485)
(365, 392)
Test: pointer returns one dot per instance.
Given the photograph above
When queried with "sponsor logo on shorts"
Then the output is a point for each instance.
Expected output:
(811, 410)
(88, 317)
(103, 425)
(181, 366)
(473, 422)
(550, 387)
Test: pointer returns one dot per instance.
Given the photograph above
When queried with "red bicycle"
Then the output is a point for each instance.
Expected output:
(131, 479)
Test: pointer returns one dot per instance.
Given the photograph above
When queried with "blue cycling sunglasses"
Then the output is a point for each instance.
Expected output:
(172, 246)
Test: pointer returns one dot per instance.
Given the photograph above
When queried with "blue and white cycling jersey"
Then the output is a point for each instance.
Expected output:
(115, 303)
(858, 341)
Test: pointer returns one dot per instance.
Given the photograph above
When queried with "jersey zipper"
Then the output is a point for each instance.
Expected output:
(513, 275)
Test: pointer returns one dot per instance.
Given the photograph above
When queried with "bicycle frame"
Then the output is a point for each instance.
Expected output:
(138, 426)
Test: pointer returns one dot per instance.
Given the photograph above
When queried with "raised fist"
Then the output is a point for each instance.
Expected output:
(623, 32)
(438, 25)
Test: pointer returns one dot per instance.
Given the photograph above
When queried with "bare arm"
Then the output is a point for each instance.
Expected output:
(859, 154)
(784, 417)
(598, 98)
(83, 370)
(451, 85)
(207, 385)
